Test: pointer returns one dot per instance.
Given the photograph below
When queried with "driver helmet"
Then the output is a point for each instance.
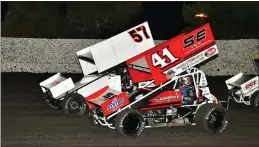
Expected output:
(187, 80)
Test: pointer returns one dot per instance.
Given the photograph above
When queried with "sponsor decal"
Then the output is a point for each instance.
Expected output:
(202, 58)
(166, 98)
(203, 84)
(251, 84)
(211, 51)
(224, 126)
(54, 82)
(190, 41)
(193, 61)
(170, 72)
(115, 103)
(139, 68)
(187, 64)
(144, 83)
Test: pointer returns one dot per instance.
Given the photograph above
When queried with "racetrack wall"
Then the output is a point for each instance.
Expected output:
(59, 55)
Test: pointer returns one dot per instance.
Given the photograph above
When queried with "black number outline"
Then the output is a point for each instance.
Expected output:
(108, 95)
(137, 37)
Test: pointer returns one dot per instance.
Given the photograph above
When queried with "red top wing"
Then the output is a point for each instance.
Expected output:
(168, 58)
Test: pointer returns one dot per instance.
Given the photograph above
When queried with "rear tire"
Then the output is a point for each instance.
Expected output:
(130, 123)
(255, 100)
(74, 105)
(211, 118)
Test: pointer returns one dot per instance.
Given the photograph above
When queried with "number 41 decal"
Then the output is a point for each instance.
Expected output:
(157, 60)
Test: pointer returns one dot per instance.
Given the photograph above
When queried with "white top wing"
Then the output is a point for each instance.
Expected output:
(116, 49)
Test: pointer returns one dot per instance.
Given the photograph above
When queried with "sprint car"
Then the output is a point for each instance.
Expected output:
(168, 89)
(244, 88)
(100, 67)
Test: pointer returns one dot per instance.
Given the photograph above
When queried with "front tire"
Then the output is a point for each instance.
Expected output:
(74, 105)
(130, 123)
(255, 100)
(211, 118)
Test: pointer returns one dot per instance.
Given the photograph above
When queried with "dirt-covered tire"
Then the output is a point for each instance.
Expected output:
(49, 101)
(255, 100)
(211, 118)
(74, 105)
(130, 123)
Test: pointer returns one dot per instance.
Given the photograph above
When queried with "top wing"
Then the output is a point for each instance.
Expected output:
(115, 50)
(174, 56)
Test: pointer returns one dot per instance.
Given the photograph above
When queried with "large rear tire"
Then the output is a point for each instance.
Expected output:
(130, 123)
(74, 105)
(255, 100)
(211, 118)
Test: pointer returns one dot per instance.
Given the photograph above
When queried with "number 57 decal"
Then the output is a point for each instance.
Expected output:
(136, 36)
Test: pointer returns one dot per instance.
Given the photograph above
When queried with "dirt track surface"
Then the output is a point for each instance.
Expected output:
(26, 121)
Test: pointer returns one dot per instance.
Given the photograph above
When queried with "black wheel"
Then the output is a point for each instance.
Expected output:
(130, 123)
(255, 100)
(74, 105)
(211, 118)
(50, 101)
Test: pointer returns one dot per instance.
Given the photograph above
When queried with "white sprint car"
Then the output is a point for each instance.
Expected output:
(244, 88)
(102, 65)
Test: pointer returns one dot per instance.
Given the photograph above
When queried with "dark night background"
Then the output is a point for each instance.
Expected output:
(229, 20)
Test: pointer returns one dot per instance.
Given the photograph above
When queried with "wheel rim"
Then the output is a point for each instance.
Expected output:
(215, 120)
(131, 124)
(75, 105)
